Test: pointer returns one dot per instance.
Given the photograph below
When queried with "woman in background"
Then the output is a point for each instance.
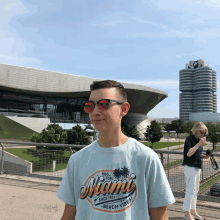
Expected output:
(192, 168)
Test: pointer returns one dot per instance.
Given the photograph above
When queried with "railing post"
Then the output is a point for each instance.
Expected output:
(2, 170)
(202, 170)
(71, 151)
(161, 155)
(168, 167)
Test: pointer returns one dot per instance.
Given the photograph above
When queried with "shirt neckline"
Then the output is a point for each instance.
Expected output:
(195, 137)
(113, 149)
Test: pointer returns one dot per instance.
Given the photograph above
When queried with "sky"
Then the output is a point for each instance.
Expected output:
(145, 42)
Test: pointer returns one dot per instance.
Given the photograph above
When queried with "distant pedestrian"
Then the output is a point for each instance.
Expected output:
(192, 168)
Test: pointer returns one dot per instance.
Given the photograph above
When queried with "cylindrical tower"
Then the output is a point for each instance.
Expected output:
(214, 81)
(198, 84)
(214, 89)
(203, 89)
(186, 77)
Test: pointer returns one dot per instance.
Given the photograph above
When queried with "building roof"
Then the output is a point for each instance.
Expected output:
(41, 82)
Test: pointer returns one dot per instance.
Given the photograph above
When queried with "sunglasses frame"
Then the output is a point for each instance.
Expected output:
(109, 100)
(203, 133)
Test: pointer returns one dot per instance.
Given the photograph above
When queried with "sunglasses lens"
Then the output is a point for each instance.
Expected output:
(103, 105)
(89, 107)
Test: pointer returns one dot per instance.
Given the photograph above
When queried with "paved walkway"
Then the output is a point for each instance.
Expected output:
(40, 202)
(209, 210)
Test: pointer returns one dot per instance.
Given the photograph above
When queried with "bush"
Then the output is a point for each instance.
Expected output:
(133, 132)
(52, 134)
(77, 136)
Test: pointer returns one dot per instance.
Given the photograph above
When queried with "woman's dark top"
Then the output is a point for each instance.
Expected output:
(195, 159)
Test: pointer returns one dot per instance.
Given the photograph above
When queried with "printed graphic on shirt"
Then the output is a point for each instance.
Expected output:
(110, 191)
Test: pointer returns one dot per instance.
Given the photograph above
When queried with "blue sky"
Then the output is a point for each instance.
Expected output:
(145, 42)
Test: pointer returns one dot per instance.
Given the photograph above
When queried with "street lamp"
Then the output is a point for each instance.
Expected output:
(163, 131)
(179, 136)
(149, 134)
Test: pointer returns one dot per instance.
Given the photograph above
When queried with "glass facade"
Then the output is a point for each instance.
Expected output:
(58, 109)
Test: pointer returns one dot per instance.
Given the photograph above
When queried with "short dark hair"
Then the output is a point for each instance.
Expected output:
(109, 84)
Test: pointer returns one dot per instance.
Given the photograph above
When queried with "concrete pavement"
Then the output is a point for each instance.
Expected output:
(38, 188)
(209, 210)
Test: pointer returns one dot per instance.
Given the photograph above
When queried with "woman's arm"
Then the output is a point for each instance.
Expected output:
(195, 148)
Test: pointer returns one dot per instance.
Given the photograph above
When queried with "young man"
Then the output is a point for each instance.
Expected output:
(115, 177)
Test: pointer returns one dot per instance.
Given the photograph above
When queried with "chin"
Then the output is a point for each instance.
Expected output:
(101, 128)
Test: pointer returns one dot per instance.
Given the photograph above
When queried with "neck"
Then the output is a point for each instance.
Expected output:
(196, 136)
(111, 139)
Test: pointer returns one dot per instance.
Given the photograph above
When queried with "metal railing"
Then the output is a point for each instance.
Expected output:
(53, 163)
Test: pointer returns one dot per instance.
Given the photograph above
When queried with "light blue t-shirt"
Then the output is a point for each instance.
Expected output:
(117, 183)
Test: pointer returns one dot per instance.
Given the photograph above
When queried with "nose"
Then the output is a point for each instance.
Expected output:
(96, 110)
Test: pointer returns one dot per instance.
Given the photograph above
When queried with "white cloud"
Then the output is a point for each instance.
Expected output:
(151, 23)
(86, 67)
(15, 7)
(12, 47)
(162, 84)
(188, 5)
(110, 20)
(113, 23)
(18, 59)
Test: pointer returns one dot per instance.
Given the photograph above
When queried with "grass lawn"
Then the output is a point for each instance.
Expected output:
(161, 145)
(10, 128)
(61, 162)
(26, 154)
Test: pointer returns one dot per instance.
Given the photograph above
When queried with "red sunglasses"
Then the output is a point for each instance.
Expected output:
(103, 105)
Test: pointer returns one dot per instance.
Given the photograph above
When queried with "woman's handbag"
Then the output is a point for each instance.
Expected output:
(214, 164)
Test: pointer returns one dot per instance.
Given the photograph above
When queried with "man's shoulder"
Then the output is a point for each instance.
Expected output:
(144, 148)
(82, 151)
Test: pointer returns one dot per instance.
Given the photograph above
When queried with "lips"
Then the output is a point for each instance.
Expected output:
(99, 120)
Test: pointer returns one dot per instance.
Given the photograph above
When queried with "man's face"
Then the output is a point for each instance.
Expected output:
(109, 119)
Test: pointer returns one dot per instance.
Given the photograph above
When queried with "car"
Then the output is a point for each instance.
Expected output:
(215, 190)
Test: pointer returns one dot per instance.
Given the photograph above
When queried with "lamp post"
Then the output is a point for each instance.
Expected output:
(163, 131)
(216, 133)
(149, 134)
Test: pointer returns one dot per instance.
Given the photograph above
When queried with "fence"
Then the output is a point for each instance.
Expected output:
(53, 163)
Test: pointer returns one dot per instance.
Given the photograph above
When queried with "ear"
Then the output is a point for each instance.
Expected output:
(125, 108)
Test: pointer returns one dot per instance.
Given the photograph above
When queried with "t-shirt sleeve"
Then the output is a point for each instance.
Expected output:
(158, 188)
(65, 191)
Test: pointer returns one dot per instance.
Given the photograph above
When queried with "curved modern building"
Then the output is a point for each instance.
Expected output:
(198, 84)
(59, 97)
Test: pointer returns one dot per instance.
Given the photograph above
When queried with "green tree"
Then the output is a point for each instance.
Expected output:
(178, 126)
(154, 131)
(168, 127)
(133, 132)
(52, 134)
(77, 136)
(212, 136)
(188, 126)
